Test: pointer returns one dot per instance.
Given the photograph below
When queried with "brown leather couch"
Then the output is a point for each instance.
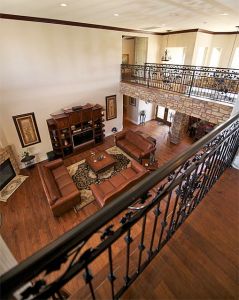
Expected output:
(135, 145)
(112, 187)
(61, 192)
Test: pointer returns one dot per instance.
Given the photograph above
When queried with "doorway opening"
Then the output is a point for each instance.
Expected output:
(164, 115)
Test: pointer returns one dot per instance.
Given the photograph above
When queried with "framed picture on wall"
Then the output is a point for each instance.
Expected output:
(27, 129)
(132, 101)
(111, 107)
(125, 59)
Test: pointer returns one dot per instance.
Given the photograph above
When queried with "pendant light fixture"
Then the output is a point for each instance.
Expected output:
(166, 56)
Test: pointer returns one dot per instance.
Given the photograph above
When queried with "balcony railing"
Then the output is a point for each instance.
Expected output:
(125, 235)
(219, 84)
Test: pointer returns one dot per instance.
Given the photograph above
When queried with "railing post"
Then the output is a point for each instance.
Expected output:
(148, 75)
(191, 85)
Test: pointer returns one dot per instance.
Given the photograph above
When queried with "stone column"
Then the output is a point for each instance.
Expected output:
(235, 163)
(178, 127)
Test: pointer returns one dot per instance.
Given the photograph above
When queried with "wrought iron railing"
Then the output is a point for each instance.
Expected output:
(111, 248)
(220, 84)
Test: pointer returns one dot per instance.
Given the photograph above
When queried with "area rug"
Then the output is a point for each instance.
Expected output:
(83, 176)
(11, 187)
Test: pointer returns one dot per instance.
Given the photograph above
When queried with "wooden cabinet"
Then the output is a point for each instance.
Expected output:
(76, 129)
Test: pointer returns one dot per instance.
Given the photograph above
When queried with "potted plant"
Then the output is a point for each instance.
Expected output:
(26, 155)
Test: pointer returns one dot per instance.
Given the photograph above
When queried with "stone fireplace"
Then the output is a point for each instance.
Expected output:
(7, 154)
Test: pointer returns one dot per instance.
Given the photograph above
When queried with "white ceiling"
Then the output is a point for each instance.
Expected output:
(156, 15)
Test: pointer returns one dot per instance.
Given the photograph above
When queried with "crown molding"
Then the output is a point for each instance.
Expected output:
(70, 23)
(88, 25)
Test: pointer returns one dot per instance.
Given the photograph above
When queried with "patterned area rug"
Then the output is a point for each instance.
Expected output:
(11, 187)
(83, 176)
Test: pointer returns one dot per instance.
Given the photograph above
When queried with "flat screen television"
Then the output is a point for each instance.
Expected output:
(7, 173)
(81, 138)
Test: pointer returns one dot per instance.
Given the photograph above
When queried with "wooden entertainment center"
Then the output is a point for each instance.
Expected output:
(76, 129)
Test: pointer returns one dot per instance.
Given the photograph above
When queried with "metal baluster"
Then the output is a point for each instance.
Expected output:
(194, 185)
(128, 241)
(210, 171)
(141, 245)
(172, 222)
(106, 233)
(111, 275)
(184, 196)
(232, 148)
(88, 278)
(191, 84)
(157, 212)
(164, 222)
(194, 202)
(219, 152)
(222, 160)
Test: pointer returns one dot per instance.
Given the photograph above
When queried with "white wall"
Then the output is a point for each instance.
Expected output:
(149, 109)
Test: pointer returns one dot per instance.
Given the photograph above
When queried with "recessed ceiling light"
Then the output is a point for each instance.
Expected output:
(224, 14)
(116, 15)
(63, 4)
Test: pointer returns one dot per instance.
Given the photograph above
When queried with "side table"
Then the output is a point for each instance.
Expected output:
(28, 161)
(149, 166)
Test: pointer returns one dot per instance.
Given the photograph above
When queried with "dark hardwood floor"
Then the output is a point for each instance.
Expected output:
(201, 261)
(28, 225)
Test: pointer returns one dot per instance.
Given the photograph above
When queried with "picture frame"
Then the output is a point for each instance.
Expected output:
(27, 129)
(132, 101)
(125, 59)
(111, 107)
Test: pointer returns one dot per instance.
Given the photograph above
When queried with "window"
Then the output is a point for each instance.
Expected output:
(201, 55)
(215, 57)
(177, 55)
(235, 61)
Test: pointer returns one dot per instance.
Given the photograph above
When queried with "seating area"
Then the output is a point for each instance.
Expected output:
(60, 190)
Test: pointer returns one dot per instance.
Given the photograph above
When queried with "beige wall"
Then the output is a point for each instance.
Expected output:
(202, 40)
(46, 67)
(128, 48)
(224, 41)
(186, 40)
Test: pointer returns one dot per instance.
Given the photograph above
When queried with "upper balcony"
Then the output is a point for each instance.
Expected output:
(218, 84)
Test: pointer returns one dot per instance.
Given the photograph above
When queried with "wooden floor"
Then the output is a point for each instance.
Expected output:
(201, 260)
(28, 225)
(27, 221)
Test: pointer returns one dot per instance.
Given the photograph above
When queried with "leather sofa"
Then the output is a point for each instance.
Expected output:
(61, 192)
(110, 188)
(135, 145)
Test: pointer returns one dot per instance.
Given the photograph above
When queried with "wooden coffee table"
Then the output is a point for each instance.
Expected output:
(99, 165)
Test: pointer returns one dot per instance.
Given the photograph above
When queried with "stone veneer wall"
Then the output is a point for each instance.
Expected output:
(7, 153)
(179, 127)
(211, 111)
